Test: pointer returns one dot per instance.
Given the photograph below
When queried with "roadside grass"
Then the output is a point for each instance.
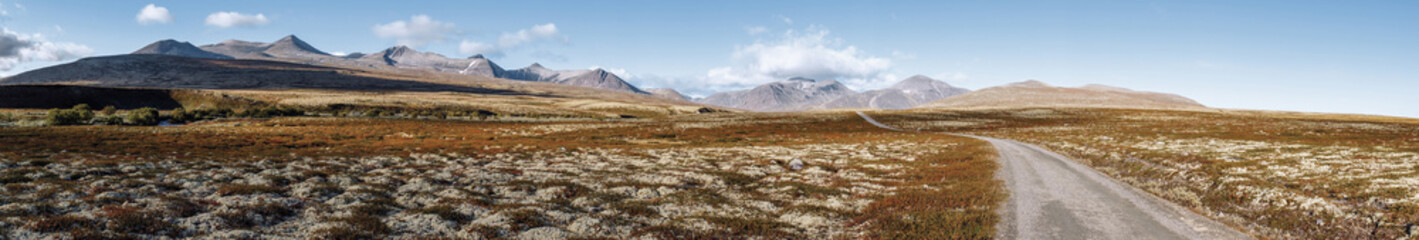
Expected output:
(950, 195)
(1273, 175)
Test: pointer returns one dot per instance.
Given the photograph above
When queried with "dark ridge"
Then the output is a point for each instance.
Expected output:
(62, 96)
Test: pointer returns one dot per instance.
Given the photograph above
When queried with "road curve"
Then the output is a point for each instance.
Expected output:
(1052, 197)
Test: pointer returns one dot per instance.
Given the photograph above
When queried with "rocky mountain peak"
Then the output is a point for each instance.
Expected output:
(170, 42)
(400, 50)
(176, 48)
(291, 43)
(918, 78)
(290, 38)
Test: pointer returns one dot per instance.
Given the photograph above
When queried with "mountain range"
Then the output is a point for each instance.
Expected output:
(291, 63)
(788, 95)
(398, 58)
(908, 93)
(799, 94)
(794, 94)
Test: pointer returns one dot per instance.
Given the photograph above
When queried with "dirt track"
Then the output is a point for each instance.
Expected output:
(1052, 197)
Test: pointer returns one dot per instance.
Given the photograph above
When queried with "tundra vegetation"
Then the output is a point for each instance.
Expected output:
(1274, 175)
(687, 176)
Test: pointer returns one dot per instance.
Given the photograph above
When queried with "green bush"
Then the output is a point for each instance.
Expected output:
(180, 115)
(219, 113)
(109, 110)
(84, 111)
(109, 120)
(6, 117)
(143, 116)
(80, 114)
(267, 112)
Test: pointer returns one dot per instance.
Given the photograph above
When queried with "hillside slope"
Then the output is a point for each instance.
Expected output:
(1037, 94)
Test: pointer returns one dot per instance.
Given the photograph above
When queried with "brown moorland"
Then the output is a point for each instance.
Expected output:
(701, 176)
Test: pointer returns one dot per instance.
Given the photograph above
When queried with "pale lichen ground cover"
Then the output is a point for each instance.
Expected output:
(513, 191)
(1275, 176)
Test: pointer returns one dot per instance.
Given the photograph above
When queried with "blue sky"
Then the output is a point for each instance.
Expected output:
(1317, 56)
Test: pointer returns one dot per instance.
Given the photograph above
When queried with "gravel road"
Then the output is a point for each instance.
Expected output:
(1052, 197)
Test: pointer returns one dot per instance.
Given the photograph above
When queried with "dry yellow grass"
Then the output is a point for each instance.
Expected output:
(702, 176)
(1272, 174)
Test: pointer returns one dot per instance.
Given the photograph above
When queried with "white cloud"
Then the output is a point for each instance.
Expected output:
(154, 14)
(810, 53)
(16, 48)
(755, 30)
(236, 19)
(514, 40)
(537, 32)
(785, 19)
(419, 30)
(470, 48)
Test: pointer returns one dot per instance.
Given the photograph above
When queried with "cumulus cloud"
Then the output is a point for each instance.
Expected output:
(809, 53)
(514, 40)
(802, 54)
(537, 32)
(415, 33)
(236, 19)
(154, 14)
(16, 48)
